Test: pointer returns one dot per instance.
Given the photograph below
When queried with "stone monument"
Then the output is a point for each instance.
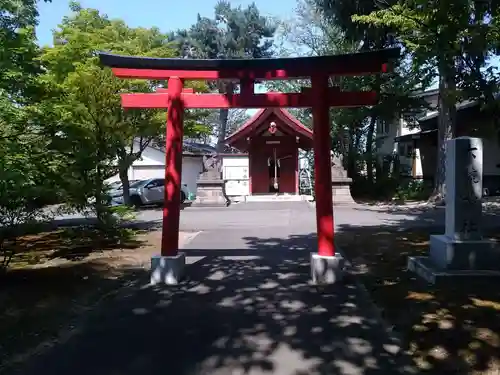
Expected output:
(341, 190)
(210, 187)
(461, 250)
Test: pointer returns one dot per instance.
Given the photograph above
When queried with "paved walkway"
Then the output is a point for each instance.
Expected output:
(245, 308)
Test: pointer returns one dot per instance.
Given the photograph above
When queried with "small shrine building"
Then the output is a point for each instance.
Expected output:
(268, 162)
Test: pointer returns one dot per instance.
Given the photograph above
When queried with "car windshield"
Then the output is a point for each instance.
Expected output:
(138, 184)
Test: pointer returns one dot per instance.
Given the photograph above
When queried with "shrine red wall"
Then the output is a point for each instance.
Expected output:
(260, 150)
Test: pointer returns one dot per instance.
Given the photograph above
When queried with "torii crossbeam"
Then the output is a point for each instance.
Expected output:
(326, 263)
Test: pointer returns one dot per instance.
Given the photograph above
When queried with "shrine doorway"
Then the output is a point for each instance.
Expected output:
(273, 169)
(274, 165)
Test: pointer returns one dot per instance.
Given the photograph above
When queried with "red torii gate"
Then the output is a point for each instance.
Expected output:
(168, 267)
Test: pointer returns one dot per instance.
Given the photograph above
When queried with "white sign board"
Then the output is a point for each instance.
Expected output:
(237, 187)
(235, 173)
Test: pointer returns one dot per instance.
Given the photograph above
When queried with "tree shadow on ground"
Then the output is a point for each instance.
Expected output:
(406, 216)
(156, 207)
(54, 275)
(240, 311)
(449, 328)
(49, 300)
(252, 311)
(74, 243)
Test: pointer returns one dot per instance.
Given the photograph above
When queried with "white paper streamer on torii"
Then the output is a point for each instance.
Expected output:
(275, 169)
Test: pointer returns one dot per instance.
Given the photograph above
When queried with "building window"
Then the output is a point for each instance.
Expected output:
(421, 113)
(383, 127)
(406, 150)
(409, 151)
(402, 149)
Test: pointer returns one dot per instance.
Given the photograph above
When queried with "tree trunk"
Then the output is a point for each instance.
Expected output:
(228, 89)
(345, 141)
(371, 126)
(369, 148)
(352, 152)
(125, 161)
(123, 173)
(7, 252)
(102, 211)
(446, 125)
(223, 116)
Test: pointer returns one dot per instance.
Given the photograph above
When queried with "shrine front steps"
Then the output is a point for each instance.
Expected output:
(340, 197)
(272, 198)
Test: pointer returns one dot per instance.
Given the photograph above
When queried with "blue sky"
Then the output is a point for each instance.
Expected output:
(166, 14)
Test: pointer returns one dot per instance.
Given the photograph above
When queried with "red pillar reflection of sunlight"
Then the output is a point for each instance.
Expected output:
(173, 168)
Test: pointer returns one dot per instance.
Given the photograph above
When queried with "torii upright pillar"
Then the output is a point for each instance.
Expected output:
(326, 265)
(168, 266)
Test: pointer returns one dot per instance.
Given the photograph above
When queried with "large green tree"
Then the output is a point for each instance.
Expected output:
(453, 39)
(234, 32)
(103, 138)
(320, 28)
(24, 162)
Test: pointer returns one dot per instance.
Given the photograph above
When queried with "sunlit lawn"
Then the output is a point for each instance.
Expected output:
(446, 328)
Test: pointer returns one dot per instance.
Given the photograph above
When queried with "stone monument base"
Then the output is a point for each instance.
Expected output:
(424, 268)
(210, 193)
(167, 270)
(457, 258)
(341, 191)
(451, 254)
(327, 269)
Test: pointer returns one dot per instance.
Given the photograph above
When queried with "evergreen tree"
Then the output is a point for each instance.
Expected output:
(234, 32)
(326, 27)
